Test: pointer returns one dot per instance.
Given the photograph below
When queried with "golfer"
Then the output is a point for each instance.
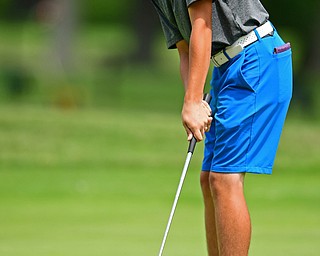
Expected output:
(251, 89)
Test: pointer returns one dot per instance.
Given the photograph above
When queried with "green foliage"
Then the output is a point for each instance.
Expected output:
(4, 5)
(101, 11)
(98, 11)
(295, 14)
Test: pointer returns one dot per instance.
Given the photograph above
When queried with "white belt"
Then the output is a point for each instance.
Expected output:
(231, 51)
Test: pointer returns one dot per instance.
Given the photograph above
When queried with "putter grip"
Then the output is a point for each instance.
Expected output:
(207, 98)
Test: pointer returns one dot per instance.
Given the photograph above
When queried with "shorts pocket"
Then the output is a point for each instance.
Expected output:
(283, 64)
(249, 74)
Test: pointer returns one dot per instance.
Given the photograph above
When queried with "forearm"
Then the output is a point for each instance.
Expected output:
(195, 62)
(183, 49)
(184, 72)
(199, 60)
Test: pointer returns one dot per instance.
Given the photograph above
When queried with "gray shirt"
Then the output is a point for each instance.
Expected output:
(231, 19)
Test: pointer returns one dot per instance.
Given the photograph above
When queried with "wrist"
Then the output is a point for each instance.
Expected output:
(193, 98)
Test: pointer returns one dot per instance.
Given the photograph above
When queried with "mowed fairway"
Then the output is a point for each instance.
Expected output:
(102, 182)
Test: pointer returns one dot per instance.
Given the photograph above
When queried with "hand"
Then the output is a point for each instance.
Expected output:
(196, 119)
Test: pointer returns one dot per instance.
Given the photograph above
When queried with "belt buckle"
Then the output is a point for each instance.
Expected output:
(226, 54)
(219, 59)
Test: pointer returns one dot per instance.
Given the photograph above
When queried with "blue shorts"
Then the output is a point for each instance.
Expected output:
(250, 100)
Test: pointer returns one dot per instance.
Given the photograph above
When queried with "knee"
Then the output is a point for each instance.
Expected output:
(205, 184)
(216, 184)
(225, 184)
(211, 182)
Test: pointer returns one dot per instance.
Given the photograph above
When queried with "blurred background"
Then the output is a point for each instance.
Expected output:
(91, 141)
(72, 53)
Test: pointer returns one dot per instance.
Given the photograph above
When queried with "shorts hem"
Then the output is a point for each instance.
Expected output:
(254, 170)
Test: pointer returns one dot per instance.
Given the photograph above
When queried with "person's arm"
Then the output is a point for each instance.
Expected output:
(183, 49)
(194, 66)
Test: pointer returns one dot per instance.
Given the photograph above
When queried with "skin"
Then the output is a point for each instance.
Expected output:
(194, 66)
(227, 220)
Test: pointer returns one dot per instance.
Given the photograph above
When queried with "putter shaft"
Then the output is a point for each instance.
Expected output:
(192, 145)
(183, 175)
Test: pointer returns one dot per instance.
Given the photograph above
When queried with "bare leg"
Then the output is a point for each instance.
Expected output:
(210, 222)
(233, 225)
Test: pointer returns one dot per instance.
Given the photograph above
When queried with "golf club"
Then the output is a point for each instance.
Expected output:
(192, 145)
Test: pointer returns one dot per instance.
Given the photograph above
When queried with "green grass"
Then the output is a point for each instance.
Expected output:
(101, 182)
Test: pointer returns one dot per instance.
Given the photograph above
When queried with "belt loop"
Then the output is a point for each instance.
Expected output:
(226, 54)
(257, 34)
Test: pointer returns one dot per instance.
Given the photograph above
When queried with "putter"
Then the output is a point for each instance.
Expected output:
(192, 145)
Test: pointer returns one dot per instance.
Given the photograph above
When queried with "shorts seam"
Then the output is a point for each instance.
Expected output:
(254, 106)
